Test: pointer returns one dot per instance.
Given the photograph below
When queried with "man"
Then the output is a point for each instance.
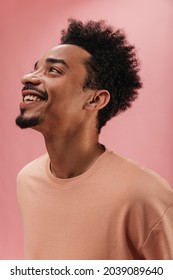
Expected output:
(80, 200)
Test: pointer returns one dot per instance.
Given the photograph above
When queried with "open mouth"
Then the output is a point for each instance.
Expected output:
(31, 94)
(32, 98)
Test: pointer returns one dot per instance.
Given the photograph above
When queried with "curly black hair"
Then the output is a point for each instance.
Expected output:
(113, 64)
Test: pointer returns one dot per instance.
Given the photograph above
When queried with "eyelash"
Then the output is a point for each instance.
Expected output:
(55, 70)
(49, 70)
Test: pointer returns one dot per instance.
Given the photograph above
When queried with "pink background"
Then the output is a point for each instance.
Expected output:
(143, 133)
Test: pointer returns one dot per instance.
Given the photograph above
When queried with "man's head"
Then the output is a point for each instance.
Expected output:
(110, 68)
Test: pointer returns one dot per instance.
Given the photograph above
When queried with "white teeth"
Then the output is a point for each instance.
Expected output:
(30, 97)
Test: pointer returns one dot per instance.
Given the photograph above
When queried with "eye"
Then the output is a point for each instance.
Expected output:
(54, 70)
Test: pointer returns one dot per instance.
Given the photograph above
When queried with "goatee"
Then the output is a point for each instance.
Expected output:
(24, 122)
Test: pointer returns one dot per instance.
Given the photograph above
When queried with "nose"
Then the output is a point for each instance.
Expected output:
(30, 78)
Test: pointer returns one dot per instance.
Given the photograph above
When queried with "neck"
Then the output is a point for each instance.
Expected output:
(72, 155)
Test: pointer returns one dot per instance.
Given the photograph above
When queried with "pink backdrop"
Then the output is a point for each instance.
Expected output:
(144, 133)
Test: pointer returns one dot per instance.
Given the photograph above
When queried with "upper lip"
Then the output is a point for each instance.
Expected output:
(32, 92)
(30, 89)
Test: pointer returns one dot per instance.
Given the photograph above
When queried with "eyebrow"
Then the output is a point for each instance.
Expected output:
(53, 61)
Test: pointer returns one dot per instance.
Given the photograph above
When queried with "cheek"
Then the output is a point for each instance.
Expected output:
(65, 92)
(65, 95)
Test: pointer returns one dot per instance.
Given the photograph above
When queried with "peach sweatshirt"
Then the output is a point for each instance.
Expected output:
(115, 210)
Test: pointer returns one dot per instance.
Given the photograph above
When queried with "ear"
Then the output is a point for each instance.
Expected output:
(99, 100)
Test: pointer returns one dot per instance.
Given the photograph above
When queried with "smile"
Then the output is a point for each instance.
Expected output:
(31, 97)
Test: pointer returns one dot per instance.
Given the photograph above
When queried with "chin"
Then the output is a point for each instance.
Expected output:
(31, 122)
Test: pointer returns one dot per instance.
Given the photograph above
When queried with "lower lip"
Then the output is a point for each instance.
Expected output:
(24, 105)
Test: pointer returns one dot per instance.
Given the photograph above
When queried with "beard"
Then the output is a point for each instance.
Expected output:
(24, 122)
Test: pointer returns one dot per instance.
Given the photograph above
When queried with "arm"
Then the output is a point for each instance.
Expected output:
(159, 242)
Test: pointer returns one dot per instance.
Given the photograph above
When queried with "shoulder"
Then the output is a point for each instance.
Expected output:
(136, 181)
(133, 171)
(146, 200)
(34, 167)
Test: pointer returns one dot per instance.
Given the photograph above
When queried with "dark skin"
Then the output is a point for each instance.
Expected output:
(68, 117)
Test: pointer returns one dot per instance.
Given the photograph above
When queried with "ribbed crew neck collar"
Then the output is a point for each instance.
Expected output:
(59, 182)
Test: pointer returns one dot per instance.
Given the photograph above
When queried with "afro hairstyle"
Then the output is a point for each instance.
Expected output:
(112, 66)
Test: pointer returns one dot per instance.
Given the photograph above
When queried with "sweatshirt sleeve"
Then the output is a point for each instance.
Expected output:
(159, 242)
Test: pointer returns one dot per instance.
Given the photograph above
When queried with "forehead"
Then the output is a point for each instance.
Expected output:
(71, 54)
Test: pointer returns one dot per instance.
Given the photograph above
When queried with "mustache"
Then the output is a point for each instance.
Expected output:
(31, 87)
